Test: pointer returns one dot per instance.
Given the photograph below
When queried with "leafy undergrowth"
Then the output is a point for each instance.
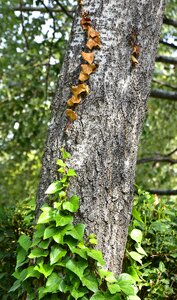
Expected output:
(152, 246)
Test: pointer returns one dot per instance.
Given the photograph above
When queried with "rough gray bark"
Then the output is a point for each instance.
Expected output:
(103, 141)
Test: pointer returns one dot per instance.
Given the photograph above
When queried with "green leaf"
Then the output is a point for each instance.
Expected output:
(77, 232)
(133, 298)
(44, 244)
(98, 296)
(62, 220)
(62, 195)
(77, 266)
(136, 214)
(37, 252)
(71, 172)
(53, 282)
(136, 235)
(44, 269)
(46, 216)
(21, 257)
(96, 255)
(60, 163)
(15, 286)
(139, 249)
(136, 256)
(132, 271)
(77, 293)
(24, 241)
(126, 282)
(56, 254)
(113, 288)
(72, 205)
(91, 282)
(110, 277)
(58, 237)
(65, 154)
(162, 268)
(39, 231)
(54, 187)
(32, 273)
(50, 231)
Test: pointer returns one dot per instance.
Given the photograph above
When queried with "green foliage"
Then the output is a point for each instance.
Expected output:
(57, 261)
(154, 229)
(31, 54)
(14, 223)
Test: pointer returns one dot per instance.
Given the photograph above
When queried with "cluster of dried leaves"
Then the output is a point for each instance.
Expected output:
(135, 48)
(86, 69)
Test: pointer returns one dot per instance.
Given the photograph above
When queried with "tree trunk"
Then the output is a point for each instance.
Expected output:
(103, 141)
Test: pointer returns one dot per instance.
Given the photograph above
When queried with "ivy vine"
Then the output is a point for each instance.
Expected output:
(58, 262)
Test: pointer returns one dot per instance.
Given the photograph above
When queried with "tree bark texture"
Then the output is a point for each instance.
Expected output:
(103, 141)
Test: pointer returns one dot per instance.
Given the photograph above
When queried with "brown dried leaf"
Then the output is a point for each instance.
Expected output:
(73, 100)
(88, 69)
(85, 23)
(91, 44)
(80, 88)
(83, 76)
(71, 114)
(136, 50)
(92, 32)
(89, 57)
(134, 60)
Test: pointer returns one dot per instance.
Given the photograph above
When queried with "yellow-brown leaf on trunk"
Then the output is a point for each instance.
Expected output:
(85, 23)
(91, 44)
(136, 50)
(92, 32)
(134, 60)
(71, 114)
(89, 57)
(88, 69)
(73, 100)
(80, 88)
(83, 76)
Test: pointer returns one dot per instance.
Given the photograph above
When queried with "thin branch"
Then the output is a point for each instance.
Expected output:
(157, 159)
(43, 10)
(168, 44)
(163, 192)
(64, 9)
(36, 8)
(23, 27)
(165, 84)
(166, 59)
(50, 49)
(169, 21)
(170, 153)
(161, 94)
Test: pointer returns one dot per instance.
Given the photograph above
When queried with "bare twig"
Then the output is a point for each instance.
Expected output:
(163, 192)
(169, 21)
(166, 59)
(168, 44)
(64, 9)
(165, 84)
(161, 94)
(23, 27)
(157, 159)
